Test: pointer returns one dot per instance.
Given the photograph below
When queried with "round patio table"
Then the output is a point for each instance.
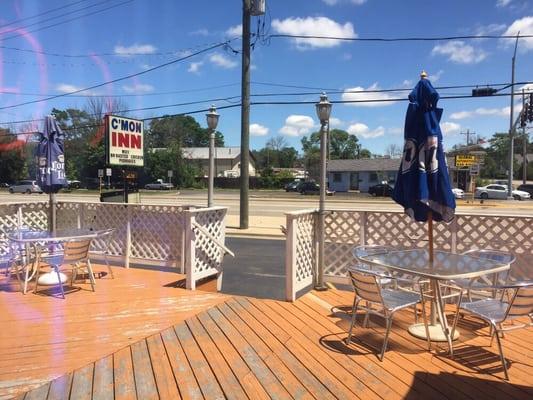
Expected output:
(444, 267)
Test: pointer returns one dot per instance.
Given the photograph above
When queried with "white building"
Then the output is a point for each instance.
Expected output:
(227, 160)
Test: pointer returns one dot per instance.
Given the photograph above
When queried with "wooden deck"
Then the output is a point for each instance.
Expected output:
(249, 348)
(44, 337)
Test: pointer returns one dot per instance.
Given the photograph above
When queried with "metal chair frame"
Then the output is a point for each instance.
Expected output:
(367, 287)
(76, 254)
(103, 237)
(497, 311)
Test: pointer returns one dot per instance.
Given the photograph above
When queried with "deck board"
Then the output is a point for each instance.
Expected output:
(241, 347)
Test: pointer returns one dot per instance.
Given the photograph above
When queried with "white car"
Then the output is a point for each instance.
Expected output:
(499, 192)
(25, 187)
(458, 193)
(159, 186)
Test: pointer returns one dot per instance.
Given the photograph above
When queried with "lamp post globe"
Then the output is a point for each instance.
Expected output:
(323, 111)
(323, 108)
(212, 122)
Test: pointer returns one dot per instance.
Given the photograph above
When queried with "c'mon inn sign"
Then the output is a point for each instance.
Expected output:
(124, 141)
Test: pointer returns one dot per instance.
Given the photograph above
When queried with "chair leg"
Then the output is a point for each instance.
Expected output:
(456, 318)
(502, 358)
(425, 318)
(37, 274)
(56, 268)
(386, 340)
(354, 314)
(109, 266)
(91, 275)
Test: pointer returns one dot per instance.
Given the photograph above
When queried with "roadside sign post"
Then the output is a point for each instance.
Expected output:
(108, 174)
(100, 176)
(169, 174)
(474, 171)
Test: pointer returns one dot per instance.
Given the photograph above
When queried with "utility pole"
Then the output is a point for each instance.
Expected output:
(511, 128)
(245, 115)
(468, 133)
(524, 142)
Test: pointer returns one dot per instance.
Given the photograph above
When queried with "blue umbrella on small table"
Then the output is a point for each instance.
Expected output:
(51, 175)
(423, 183)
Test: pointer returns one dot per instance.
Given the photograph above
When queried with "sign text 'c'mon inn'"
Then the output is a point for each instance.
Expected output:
(124, 141)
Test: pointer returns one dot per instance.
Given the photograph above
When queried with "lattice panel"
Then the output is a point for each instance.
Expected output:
(506, 233)
(68, 214)
(342, 226)
(305, 249)
(208, 255)
(156, 233)
(35, 215)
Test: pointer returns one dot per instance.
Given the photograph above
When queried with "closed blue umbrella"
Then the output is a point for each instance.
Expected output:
(51, 157)
(423, 183)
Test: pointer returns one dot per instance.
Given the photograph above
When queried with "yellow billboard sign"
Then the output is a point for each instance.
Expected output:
(465, 160)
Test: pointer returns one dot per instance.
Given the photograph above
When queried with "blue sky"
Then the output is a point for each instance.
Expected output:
(108, 42)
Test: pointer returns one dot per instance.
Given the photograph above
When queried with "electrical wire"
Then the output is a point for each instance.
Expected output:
(405, 39)
(42, 13)
(117, 79)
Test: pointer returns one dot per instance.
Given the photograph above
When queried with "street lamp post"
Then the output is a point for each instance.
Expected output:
(212, 122)
(323, 111)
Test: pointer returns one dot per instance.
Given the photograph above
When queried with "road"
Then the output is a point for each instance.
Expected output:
(276, 203)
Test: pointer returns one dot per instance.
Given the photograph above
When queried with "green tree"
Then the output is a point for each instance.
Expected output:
(12, 157)
(181, 130)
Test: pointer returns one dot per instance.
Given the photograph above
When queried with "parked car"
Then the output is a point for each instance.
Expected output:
(25, 187)
(73, 184)
(458, 193)
(292, 186)
(4, 185)
(159, 186)
(312, 188)
(381, 189)
(499, 192)
(526, 188)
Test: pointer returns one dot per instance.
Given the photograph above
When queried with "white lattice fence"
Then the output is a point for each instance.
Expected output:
(345, 229)
(204, 238)
(300, 252)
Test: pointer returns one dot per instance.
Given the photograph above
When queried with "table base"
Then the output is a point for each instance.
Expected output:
(435, 332)
(50, 278)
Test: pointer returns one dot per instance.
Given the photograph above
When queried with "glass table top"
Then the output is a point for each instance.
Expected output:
(29, 235)
(445, 265)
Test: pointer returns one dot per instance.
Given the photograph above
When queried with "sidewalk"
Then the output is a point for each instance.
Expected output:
(259, 226)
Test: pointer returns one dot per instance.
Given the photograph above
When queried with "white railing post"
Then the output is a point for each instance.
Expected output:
(362, 228)
(19, 217)
(183, 255)
(190, 251)
(290, 259)
(128, 237)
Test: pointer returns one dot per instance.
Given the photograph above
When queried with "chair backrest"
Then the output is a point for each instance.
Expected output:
(493, 255)
(365, 284)
(76, 251)
(102, 239)
(370, 249)
(521, 303)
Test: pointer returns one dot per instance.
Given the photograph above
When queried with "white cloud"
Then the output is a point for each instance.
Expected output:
(503, 3)
(525, 27)
(330, 2)
(335, 122)
(436, 76)
(200, 32)
(234, 31)
(450, 128)
(395, 131)
(489, 29)
(498, 112)
(222, 61)
(459, 52)
(314, 26)
(135, 49)
(138, 88)
(297, 125)
(194, 67)
(67, 88)
(349, 95)
(362, 130)
(258, 130)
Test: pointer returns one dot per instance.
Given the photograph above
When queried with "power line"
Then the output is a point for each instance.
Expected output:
(117, 79)
(42, 13)
(405, 39)
(68, 20)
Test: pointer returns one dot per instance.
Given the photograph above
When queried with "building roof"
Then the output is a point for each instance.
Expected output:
(202, 153)
(364, 164)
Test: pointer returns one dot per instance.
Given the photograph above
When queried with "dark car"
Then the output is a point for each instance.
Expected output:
(526, 188)
(381, 189)
(292, 186)
(312, 188)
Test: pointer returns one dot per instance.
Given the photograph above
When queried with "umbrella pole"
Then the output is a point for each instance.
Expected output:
(430, 237)
(52, 219)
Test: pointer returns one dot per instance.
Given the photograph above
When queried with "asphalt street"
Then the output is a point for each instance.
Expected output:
(258, 268)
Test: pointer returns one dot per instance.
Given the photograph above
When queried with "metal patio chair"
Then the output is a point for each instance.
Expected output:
(480, 284)
(379, 301)
(76, 254)
(515, 301)
(100, 247)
